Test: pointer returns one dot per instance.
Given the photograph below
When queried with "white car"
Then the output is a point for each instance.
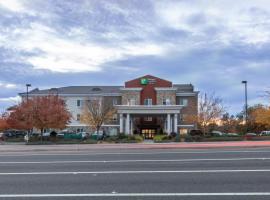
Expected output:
(217, 133)
(232, 134)
(265, 133)
(47, 134)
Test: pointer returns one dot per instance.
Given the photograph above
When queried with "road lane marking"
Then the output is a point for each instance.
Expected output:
(132, 161)
(135, 194)
(135, 172)
(18, 154)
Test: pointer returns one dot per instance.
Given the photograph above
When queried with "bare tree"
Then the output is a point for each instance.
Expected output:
(210, 110)
(96, 112)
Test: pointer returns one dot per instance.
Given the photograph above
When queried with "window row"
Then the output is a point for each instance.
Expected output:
(165, 101)
(79, 102)
(148, 101)
(114, 117)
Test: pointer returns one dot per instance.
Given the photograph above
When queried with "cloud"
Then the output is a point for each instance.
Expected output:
(246, 22)
(15, 99)
(213, 45)
(62, 54)
(12, 5)
(8, 85)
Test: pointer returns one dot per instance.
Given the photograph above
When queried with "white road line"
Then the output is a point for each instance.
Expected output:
(135, 194)
(135, 172)
(131, 161)
(18, 154)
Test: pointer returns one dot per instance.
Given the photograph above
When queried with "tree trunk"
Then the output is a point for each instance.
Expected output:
(41, 134)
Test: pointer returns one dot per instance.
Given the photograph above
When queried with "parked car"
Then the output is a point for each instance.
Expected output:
(251, 134)
(14, 133)
(60, 135)
(196, 132)
(64, 132)
(46, 134)
(265, 133)
(84, 135)
(232, 134)
(217, 133)
(98, 135)
(2, 136)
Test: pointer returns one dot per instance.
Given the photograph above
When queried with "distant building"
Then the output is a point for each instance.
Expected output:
(147, 105)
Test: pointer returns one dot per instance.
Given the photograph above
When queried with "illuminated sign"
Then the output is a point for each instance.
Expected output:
(144, 81)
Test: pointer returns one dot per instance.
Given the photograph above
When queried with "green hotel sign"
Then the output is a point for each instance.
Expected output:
(144, 81)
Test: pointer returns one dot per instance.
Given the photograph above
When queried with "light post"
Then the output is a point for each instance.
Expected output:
(27, 86)
(246, 105)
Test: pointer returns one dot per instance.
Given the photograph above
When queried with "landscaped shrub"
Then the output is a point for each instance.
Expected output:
(158, 138)
(220, 139)
(173, 134)
(122, 138)
(163, 138)
(188, 138)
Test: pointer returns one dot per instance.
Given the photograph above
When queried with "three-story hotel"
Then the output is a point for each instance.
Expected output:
(147, 105)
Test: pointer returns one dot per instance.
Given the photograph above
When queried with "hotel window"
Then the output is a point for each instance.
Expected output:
(183, 102)
(114, 118)
(115, 102)
(78, 117)
(183, 117)
(131, 102)
(166, 101)
(148, 119)
(148, 102)
(79, 103)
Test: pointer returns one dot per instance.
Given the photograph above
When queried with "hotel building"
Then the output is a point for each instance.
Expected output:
(147, 105)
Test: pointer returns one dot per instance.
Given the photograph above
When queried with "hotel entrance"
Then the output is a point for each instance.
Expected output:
(148, 133)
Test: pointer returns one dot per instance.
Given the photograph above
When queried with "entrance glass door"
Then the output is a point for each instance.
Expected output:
(148, 133)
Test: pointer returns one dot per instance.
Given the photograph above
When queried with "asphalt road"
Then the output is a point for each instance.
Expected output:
(136, 174)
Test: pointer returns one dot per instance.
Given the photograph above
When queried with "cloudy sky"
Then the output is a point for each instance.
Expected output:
(214, 44)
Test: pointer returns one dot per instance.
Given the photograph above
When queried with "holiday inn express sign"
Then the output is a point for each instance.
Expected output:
(146, 81)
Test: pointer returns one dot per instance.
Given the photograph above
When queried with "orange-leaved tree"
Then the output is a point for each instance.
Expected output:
(261, 115)
(3, 122)
(40, 112)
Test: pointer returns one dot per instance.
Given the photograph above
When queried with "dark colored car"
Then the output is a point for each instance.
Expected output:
(14, 133)
(196, 132)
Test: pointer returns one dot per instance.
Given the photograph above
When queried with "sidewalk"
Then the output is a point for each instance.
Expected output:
(5, 148)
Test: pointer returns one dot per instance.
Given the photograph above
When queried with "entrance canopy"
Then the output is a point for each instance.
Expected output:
(148, 109)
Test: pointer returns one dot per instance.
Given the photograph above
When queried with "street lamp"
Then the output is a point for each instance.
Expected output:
(27, 86)
(246, 105)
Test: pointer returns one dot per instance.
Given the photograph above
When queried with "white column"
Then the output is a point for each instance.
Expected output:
(175, 123)
(168, 124)
(131, 125)
(121, 123)
(128, 124)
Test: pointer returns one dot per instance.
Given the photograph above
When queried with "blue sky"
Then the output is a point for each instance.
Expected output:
(214, 44)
